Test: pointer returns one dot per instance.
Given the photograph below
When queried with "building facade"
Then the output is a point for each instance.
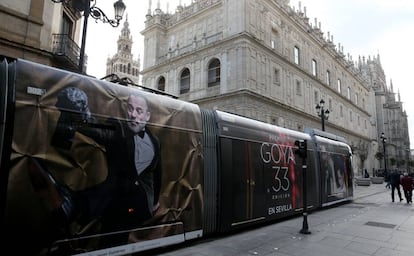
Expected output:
(41, 31)
(122, 64)
(263, 59)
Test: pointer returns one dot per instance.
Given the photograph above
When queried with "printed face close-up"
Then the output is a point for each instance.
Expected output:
(138, 114)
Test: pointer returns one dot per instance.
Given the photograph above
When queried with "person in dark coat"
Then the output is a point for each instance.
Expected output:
(407, 184)
(366, 174)
(395, 185)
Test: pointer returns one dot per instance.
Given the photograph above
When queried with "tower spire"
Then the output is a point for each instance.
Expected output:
(149, 7)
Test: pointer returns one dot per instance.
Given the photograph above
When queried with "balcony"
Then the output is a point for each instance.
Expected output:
(66, 52)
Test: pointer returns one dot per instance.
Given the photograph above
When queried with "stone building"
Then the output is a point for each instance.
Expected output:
(41, 31)
(259, 58)
(265, 60)
(122, 63)
(391, 118)
(48, 31)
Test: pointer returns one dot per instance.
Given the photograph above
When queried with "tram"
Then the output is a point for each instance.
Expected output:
(76, 179)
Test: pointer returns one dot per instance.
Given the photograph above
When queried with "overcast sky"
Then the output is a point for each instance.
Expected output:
(362, 27)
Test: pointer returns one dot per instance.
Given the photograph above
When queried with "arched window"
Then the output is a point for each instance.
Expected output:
(214, 73)
(161, 84)
(185, 81)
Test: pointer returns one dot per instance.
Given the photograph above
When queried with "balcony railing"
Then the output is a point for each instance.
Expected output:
(66, 50)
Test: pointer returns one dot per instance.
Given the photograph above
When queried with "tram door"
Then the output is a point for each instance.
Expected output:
(242, 190)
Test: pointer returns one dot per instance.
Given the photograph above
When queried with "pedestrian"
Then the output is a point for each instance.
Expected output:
(387, 179)
(395, 184)
(408, 185)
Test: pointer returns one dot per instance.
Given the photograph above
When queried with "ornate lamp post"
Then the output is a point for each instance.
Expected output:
(384, 140)
(322, 113)
(95, 12)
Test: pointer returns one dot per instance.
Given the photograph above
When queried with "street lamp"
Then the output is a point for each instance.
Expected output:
(322, 113)
(384, 139)
(96, 13)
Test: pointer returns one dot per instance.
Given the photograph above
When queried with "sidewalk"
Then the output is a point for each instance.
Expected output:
(363, 191)
(370, 225)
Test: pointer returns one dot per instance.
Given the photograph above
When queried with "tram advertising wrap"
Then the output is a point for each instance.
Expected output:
(90, 167)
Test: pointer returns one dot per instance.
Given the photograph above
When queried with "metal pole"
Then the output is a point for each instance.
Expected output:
(85, 27)
(323, 119)
(305, 226)
(302, 152)
(385, 156)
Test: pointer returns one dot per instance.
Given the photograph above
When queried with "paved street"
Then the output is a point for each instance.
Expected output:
(370, 225)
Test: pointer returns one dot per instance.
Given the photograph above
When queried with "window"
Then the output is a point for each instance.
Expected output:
(339, 86)
(298, 88)
(315, 96)
(67, 25)
(297, 55)
(214, 73)
(349, 93)
(328, 77)
(185, 81)
(314, 68)
(273, 40)
(276, 76)
(63, 45)
(341, 111)
(161, 84)
(356, 99)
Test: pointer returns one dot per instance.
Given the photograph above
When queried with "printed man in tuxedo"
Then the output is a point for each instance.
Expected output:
(127, 191)
(129, 194)
(134, 168)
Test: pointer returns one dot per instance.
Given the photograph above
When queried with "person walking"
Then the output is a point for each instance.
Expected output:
(366, 174)
(408, 184)
(395, 185)
(387, 179)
